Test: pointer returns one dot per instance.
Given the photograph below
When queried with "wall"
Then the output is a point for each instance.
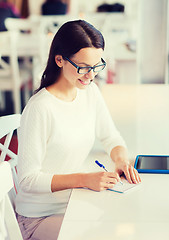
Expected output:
(152, 41)
(141, 114)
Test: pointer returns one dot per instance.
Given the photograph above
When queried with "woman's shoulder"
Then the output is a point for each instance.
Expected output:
(37, 111)
(39, 96)
(38, 101)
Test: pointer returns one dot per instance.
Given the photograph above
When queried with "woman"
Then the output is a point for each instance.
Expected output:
(58, 129)
(7, 10)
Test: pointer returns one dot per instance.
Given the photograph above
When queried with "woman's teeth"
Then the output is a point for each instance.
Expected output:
(85, 82)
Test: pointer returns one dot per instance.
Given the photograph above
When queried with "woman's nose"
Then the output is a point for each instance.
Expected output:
(90, 75)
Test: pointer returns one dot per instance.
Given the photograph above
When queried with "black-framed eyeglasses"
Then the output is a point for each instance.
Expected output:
(84, 70)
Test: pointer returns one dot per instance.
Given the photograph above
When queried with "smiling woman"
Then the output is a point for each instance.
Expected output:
(88, 60)
(72, 37)
(58, 129)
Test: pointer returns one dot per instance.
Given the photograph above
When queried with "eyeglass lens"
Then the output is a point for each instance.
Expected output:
(88, 69)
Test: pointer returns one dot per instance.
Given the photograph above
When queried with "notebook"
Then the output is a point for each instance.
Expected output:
(123, 188)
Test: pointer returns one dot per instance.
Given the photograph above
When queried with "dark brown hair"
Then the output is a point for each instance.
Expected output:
(69, 39)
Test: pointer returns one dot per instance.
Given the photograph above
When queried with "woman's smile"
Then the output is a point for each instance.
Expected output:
(86, 82)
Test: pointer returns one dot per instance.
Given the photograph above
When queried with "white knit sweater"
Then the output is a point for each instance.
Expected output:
(55, 137)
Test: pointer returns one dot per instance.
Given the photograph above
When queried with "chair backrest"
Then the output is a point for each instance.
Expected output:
(28, 44)
(27, 37)
(7, 126)
(9, 68)
(10, 79)
(52, 23)
(9, 227)
(48, 26)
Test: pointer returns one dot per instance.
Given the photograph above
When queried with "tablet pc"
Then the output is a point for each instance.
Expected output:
(152, 164)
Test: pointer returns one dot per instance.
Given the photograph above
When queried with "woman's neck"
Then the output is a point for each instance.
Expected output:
(62, 92)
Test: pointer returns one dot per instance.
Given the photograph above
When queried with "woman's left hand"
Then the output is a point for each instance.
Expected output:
(129, 171)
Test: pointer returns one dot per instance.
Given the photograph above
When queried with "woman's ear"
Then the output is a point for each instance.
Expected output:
(59, 60)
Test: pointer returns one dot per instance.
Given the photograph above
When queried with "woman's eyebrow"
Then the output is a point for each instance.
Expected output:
(88, 64)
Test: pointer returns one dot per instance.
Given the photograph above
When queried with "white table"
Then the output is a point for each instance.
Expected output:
(140, 214)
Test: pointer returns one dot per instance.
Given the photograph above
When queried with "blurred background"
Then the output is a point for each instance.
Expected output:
(135, 81)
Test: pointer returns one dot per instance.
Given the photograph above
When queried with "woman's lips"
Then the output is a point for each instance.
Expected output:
(85, 82)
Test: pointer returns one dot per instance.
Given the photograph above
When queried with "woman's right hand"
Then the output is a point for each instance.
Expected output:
(100, 181)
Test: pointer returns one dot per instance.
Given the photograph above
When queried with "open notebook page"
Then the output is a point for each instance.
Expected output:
(122, 188)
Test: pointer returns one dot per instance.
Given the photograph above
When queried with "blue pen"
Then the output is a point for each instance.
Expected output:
(102, 166)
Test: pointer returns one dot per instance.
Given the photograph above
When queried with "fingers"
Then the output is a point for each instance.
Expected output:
(127, 174)
(138, 178)
(109, 179)
(112, 178)
(108, 185)
(114, 175)
(99, 181)
(132, 175)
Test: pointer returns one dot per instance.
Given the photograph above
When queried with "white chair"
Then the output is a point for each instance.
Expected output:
(52, 23)
(7, 126)
(9, 228)
(26, 29)
(9, 70)
(27, 46)
(49, 25)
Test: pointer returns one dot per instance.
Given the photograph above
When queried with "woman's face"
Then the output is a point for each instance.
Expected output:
(86, 57)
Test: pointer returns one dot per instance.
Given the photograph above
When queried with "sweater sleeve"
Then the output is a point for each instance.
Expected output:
(106, 130)
(32, 139)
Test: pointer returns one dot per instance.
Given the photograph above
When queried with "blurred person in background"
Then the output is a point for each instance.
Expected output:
(7, 10)
(54, 7)
(116, 7)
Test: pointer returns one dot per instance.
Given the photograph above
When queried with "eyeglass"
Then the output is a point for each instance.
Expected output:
(84, 70)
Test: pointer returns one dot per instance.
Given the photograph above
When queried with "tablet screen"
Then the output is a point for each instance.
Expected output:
(153, 162)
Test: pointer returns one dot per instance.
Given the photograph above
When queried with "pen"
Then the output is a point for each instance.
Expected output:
(102, 166)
